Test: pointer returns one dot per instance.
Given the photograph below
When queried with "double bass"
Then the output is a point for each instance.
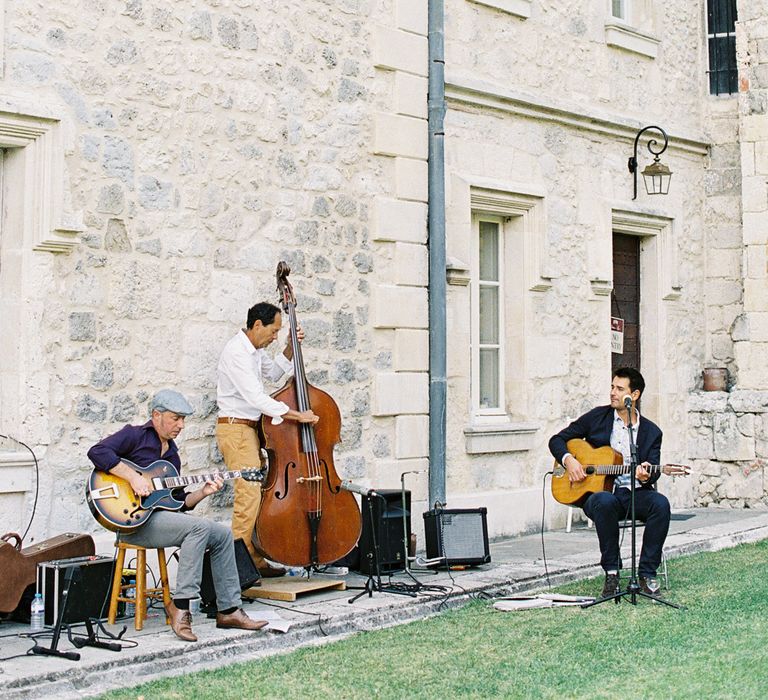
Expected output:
(306, 519)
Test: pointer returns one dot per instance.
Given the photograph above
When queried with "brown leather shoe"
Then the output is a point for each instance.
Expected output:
(238, 620)
(181, 623)
(268, 571)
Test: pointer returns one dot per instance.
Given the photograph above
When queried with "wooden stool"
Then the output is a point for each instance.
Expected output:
(141, 592)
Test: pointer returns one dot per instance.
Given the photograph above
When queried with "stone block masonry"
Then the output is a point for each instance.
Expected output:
(207, 143)
(728, 446)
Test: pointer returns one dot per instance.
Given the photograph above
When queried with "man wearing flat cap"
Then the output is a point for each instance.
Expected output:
(142, 445)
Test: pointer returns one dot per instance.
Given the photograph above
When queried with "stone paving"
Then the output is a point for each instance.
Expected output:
(517, 565)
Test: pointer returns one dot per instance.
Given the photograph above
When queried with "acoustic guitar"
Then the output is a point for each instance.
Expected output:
(602, 465)
(117, 507)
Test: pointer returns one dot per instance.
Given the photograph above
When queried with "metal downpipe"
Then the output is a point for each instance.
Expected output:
(436, 242)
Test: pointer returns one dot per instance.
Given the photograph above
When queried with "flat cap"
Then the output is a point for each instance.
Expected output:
(170, 400)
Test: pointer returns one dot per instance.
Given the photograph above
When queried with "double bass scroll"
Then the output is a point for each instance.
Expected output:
(306, 519)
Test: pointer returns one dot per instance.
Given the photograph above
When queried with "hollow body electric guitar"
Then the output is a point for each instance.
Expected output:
(602, 465)
(115, 505)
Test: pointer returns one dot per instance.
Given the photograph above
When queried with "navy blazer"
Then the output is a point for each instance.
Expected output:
(596, 426)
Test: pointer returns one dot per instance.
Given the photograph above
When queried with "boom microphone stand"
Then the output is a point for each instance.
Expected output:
(633, 587)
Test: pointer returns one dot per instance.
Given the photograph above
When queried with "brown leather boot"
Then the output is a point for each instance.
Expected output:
(181, 623)
(238, 620)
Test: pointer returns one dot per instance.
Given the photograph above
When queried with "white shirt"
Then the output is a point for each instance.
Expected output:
(240, 390)
(620, 443)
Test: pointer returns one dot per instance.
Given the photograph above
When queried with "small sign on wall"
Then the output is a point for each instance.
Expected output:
(617, 335)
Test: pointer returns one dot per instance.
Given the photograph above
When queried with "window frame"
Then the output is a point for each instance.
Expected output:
(731, 71)
(479, 412)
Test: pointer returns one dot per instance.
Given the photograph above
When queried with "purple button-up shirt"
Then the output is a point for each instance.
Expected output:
(138, 443)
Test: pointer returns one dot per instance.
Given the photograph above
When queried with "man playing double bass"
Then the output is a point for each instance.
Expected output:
(243, 368)
(607, 425)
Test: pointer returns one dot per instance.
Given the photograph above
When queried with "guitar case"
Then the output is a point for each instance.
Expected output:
(19, 566)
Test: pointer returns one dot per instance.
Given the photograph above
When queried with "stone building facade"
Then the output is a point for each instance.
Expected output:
(159, 158)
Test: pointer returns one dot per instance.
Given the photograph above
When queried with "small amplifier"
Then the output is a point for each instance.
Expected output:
(75, 589)
(460, 536)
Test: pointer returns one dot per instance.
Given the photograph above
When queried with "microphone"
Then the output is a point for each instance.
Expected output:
(627, 401)
(347, 485)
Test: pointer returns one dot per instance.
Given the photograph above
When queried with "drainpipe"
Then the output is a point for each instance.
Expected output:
(436, 243)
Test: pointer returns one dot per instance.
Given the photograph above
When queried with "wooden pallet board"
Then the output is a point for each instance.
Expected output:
(289, 589)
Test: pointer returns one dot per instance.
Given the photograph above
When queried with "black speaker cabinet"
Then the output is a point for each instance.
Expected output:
(460, 536)
(87, 582)
(383, 525)
(246, 571)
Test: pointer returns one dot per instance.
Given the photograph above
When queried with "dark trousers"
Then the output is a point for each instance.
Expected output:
(607, 509)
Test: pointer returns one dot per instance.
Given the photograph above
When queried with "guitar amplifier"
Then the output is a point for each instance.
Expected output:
(460, 536)
(75, 589)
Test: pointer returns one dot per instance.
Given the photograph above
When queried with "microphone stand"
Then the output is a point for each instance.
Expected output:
(633, 587)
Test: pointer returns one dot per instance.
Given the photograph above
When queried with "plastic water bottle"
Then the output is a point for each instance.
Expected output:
(37, 614)
(295, 571)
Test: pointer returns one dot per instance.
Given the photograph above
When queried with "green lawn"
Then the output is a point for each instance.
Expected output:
(716, 648)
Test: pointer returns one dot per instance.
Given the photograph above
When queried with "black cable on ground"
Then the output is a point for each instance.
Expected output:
(543, 512)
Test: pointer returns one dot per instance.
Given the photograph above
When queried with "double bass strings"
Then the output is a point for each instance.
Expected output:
(302, 398)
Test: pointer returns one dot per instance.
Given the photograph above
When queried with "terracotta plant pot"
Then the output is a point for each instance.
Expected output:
(715, 379)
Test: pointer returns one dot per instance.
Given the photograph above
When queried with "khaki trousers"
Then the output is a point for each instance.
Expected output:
(239, 444)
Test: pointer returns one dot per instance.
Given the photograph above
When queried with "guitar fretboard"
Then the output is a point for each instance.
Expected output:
(173, 482)
(619, 468)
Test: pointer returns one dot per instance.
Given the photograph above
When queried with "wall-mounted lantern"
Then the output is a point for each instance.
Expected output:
(656, 176)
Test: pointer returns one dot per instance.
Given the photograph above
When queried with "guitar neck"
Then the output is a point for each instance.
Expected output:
(172, 482)
(617, 469)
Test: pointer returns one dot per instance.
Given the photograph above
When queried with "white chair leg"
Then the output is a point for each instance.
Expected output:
(569, 519)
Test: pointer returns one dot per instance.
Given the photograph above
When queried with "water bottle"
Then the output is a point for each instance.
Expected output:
(129, 580)
(37, 614)
(295, 571)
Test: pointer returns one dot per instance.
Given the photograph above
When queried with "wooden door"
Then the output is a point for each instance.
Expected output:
(625, 299)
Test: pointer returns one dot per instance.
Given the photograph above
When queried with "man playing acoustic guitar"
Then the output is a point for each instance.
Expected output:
(143, 445)
(607, 426)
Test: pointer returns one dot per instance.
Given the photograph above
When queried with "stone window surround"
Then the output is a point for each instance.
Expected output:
(635, 32)
(31, 133)
(35, 131)
(499, 433)
(15, 471)
(518, 8)
(622, 34)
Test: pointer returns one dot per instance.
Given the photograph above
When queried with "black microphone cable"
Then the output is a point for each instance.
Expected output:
(37, 480)
(543, 512)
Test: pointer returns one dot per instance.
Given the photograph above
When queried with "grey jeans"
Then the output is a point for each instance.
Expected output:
(193, 536)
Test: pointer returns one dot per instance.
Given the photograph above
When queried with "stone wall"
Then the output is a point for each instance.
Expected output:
(750, 333)
(205, 142)
(544, 104)
(190, 146)
(728, 443)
